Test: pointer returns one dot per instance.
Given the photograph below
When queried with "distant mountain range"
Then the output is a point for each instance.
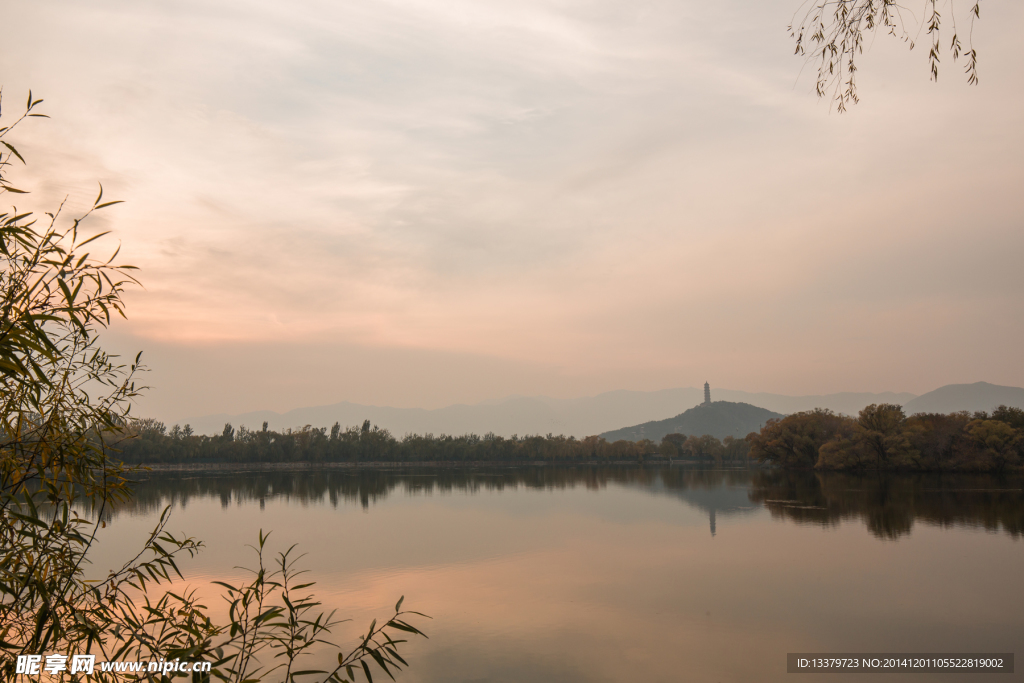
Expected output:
(719, 419)
(973, 397)
(596, 414)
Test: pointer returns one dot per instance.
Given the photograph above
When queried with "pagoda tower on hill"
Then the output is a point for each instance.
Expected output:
(707, 393)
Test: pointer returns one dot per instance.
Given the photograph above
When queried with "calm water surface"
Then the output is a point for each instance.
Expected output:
(626, 574)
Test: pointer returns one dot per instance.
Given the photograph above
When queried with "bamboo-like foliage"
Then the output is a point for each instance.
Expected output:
(832, 34)
(63, 410)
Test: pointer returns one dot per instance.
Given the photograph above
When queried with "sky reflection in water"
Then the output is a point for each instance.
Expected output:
(640, 574)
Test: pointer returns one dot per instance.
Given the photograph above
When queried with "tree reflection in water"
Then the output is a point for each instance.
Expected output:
(888, 503)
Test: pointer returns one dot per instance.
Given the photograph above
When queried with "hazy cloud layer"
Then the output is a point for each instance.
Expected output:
(415, 203)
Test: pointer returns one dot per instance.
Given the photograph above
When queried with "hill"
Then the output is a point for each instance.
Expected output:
(719, 419)
(971, 397)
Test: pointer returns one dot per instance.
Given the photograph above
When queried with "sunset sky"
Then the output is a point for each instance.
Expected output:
(422, 202)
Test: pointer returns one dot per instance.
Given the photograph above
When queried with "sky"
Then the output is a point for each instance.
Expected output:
(414, 204)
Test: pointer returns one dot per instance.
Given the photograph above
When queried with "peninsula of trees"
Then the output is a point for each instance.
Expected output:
(882, 437)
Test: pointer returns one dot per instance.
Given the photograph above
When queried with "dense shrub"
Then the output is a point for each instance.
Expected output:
(882, 437)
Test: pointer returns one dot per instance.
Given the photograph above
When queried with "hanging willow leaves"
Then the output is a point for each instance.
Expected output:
(832, 34)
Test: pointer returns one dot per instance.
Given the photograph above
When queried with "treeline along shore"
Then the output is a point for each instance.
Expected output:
(881, 437)
(153, 444)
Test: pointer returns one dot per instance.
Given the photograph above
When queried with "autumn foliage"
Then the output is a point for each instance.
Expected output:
(883, 437)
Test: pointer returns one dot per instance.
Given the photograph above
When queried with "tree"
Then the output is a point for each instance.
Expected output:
(736, 450)
(832, 33)
(64, 411)
(1010, 415)
(795, 440)
(1001, 444)
(878, 440)
(880, 429)
(705, 447)
(671, 445)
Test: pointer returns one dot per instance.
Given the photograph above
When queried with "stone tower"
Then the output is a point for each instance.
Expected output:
(707, 393)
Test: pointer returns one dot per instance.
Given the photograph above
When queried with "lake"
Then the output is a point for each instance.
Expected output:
(624, 573)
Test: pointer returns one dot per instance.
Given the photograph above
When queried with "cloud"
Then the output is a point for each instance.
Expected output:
(597, 186)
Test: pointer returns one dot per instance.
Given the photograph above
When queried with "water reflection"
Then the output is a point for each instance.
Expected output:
(888, 504)
(590, 574)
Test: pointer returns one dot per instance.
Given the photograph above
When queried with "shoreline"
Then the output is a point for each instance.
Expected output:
(435, 464)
